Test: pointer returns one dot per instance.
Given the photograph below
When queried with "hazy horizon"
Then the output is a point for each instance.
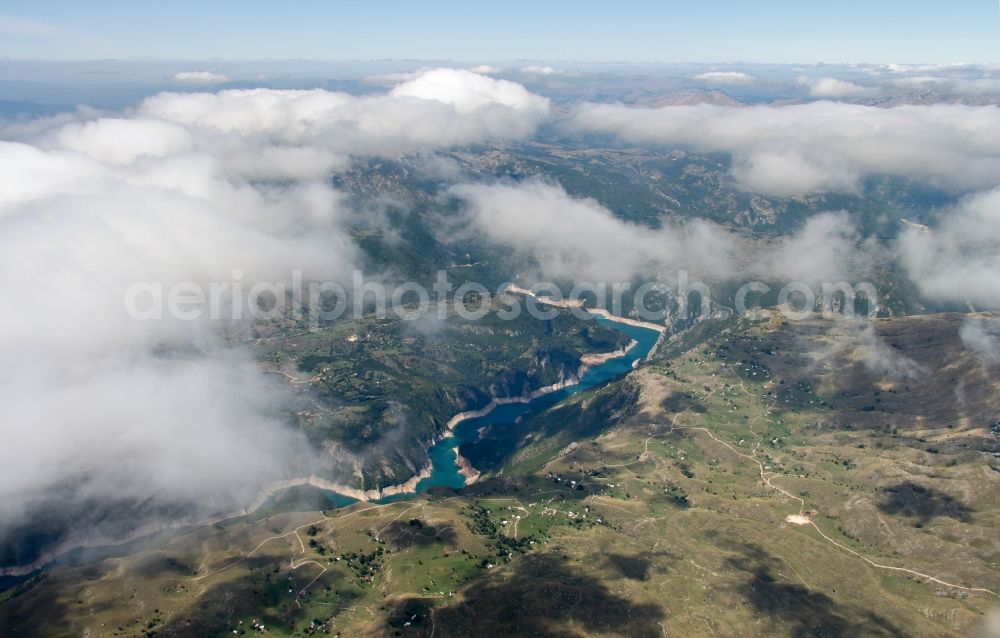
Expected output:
(636, 31)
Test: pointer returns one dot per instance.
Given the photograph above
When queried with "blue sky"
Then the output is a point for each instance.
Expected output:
(663, 31)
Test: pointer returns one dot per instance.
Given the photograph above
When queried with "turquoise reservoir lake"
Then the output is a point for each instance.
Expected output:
(445, 469)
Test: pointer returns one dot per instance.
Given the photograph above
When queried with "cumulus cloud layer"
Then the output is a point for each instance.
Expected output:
(582, 240)
(821, 146)
(155, 411)
(201, 188)
(317, 128)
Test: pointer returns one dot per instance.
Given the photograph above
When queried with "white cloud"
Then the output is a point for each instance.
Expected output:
(470, 92)
(982, 338)
(834, 88)
(122, 141)
(848, 341)
(788, 173)
(436, 108)
(199, 77)
(880, 358)
(486, 69)
(821, 145)
(184, 188)
(582, 240)
(94, 394)
(197, 432)
(725, 77)
(541, 70)
(825, 250)
(959, 259)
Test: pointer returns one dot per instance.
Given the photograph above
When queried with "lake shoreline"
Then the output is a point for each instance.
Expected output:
(587, 362)
(578, 304)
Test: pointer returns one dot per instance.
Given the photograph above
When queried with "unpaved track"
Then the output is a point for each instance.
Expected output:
(768, 479)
